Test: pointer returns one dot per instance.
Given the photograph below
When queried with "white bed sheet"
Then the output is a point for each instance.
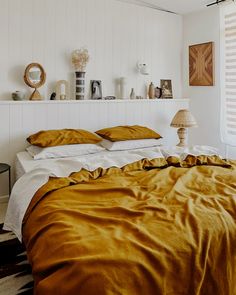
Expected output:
(37, 172)
(25, 163)
(64, 166)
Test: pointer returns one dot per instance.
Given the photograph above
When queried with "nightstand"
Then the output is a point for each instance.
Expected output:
(4, 168)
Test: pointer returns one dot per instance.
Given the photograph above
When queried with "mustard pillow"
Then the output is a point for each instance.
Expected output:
(120, 133)
(47, 138)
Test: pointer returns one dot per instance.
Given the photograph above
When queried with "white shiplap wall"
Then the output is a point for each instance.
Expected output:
(20, 119)
(117, 35)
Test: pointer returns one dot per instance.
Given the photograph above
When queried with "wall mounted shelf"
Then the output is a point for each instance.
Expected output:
(4, 102)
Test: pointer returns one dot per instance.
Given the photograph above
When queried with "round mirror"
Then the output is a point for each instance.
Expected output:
(35, 77)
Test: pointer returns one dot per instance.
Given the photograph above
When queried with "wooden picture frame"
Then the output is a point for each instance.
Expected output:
(201, 64)
(166, 89)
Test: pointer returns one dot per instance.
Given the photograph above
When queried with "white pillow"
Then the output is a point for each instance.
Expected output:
(63, 151)
(183, 152)
(129, 144)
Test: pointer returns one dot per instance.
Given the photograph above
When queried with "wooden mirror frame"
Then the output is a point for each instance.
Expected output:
(35, 95)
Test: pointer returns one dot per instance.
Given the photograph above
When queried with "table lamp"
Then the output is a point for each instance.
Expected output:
(183, 119)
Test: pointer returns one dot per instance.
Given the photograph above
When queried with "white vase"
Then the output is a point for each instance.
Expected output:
(132, 94)
(123, 82)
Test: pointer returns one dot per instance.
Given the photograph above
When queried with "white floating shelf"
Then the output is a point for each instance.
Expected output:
(92, 101)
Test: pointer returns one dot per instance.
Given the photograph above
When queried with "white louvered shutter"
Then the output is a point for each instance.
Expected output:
(228, 74)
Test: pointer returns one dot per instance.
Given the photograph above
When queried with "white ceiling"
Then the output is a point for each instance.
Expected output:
(177, 6)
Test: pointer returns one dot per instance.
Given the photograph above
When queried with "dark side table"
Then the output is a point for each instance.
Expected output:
(4, 168)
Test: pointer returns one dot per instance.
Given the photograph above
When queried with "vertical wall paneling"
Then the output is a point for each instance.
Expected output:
(20, 119)
(15, 129)
(52, 115)
(4, 53)
(4, 145)
(28, 40)
(14, 41)
(5, 131)
(117, 35)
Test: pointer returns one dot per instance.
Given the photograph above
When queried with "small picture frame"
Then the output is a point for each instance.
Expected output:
(166, 87)
(96, 89)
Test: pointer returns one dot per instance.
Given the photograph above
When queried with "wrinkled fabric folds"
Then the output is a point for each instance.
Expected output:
(152, 227)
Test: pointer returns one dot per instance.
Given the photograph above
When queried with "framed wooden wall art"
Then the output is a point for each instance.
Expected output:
(201, 64)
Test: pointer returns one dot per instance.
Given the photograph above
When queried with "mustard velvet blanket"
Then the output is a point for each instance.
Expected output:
(150, 228)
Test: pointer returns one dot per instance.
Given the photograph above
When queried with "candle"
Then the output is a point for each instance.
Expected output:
(63, 89)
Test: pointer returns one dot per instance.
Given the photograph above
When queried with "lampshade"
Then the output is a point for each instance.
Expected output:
(183, 119)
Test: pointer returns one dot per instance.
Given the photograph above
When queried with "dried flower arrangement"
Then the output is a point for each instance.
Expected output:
(80, 58)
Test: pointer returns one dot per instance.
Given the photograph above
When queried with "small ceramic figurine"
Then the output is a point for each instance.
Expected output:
(18, 95)
(132, 94)
(109, 97)
(158, 92)
(53, 96)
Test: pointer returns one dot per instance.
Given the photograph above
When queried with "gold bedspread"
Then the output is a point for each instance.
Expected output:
(149, 228)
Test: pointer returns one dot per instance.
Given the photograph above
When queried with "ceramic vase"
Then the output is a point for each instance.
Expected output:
(123, 82)
(132, 94)
(151, 91)
(18, 95)
(80, 85)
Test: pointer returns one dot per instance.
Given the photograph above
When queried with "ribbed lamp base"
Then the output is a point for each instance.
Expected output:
(182, 133)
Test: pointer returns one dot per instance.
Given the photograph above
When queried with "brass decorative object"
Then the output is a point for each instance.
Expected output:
(35, 77)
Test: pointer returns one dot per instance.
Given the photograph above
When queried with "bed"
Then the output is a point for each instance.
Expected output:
(147, 221)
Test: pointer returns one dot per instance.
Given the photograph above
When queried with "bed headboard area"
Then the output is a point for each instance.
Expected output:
(21, 118)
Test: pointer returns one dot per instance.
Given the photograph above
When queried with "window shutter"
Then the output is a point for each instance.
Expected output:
(228, 74)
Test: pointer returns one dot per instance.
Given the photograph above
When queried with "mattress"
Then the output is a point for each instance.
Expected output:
(64, 166)
(25, 163)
